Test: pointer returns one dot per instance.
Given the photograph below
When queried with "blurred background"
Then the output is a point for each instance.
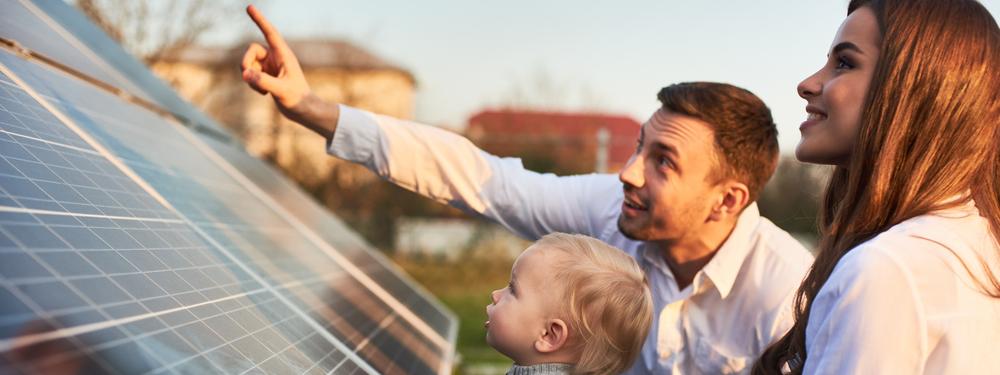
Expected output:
(560, 84)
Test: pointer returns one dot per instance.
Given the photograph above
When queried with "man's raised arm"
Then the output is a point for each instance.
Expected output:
(432, 162)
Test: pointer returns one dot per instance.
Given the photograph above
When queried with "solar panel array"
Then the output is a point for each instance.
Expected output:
(135, 237)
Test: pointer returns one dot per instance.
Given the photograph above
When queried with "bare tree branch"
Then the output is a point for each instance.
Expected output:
(156, 30)
(97, 15)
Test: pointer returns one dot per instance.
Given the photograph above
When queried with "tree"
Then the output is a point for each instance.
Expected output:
(156, 30)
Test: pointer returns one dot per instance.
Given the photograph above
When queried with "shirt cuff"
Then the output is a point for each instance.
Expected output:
(356, 136)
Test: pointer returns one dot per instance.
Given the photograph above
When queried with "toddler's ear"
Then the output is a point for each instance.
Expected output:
(554, 337)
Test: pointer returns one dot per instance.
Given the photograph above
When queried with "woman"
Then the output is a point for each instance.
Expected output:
(906, 280)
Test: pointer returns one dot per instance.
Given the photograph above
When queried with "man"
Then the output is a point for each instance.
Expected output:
(723, 277)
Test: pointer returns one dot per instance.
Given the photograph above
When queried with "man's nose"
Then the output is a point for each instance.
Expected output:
(631, 174)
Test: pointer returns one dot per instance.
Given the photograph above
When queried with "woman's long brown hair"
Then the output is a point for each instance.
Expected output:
(930, 130)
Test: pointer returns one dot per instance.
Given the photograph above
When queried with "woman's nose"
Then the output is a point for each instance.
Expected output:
(810, 86)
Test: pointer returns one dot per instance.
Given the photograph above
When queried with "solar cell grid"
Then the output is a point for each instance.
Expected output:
(113, 283)
(336, 233)
(228, 221)
(129, 244)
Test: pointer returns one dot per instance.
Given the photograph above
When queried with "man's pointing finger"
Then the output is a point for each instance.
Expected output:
(270, 33)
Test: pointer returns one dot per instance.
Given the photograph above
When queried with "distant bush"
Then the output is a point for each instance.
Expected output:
(791, 199)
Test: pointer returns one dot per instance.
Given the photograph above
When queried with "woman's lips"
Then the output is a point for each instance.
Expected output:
(815, 116)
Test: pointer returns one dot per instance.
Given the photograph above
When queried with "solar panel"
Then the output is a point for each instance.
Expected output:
(132, 244)
(26, 24)
(336, 233)
(57, 31)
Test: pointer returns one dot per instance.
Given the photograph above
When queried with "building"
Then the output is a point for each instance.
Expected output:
(563, 143)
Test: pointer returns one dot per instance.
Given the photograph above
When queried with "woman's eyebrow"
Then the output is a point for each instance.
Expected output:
(846, 46)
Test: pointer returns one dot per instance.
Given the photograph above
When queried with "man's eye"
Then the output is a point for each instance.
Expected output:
(665, 162)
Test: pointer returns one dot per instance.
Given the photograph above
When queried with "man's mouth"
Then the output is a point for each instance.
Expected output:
(634, 206)
(634, 203)
(631, 208)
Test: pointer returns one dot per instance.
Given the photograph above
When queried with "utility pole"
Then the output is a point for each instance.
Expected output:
(603, 138)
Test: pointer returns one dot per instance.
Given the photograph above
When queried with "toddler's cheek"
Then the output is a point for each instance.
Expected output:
(495, 331)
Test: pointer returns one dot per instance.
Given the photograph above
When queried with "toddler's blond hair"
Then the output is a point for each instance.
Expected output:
(608, 304)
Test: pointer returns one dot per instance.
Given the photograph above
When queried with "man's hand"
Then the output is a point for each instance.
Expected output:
(275, 70)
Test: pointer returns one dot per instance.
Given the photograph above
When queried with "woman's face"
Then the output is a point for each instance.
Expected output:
(836, 93)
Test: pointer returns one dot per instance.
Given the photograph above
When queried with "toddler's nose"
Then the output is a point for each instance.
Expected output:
(495, 296)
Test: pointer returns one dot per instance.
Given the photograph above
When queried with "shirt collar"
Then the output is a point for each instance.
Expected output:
(726, 263)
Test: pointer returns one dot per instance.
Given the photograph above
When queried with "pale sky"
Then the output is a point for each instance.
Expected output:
(598, 56)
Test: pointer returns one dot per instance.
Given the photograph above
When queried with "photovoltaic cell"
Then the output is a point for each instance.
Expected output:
(214, 219)
(139, 291)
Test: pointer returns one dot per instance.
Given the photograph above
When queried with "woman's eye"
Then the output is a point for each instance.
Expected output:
(843, 64)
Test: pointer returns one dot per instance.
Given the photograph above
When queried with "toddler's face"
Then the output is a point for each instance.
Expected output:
(518, 313)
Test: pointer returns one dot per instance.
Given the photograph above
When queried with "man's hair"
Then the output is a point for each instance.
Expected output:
(609, 305)
(746, 138)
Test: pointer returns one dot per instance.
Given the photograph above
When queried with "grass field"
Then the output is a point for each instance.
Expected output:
(464, 285)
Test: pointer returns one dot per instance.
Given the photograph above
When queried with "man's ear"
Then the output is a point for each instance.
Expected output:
(732, 199)
(554, 337)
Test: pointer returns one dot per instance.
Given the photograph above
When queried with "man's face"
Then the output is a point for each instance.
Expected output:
(669, 189)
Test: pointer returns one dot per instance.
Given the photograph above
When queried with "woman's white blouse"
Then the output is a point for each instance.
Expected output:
(911, 301)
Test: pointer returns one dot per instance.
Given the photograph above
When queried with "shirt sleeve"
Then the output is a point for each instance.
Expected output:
(867, 319)
(448, 168)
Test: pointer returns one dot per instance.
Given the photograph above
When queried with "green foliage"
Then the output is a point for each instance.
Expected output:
(464, 285)
(791, 199)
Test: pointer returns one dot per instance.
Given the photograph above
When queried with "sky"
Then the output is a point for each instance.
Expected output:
(610, 57)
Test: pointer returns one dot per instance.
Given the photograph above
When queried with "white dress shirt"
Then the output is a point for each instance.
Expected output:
(737, 305)
(904, 303)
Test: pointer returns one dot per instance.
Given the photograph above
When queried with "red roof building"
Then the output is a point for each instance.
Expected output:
(563, 143)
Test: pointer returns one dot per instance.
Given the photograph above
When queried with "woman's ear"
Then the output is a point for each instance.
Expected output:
(554, 337)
